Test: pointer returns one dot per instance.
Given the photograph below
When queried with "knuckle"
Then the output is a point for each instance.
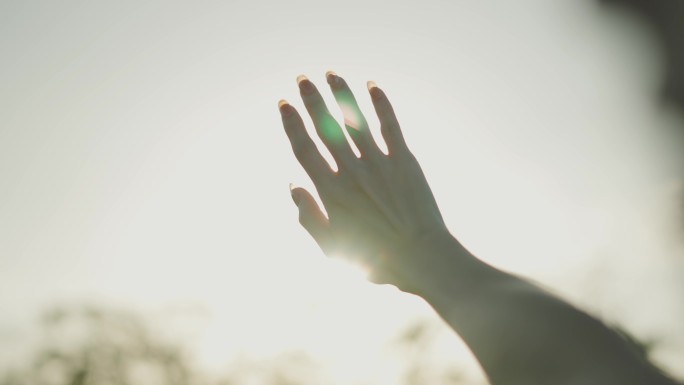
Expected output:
(316, 103)
(389, 127)
(303, 220)
(298, 152)
(301, 150)
(349, 168)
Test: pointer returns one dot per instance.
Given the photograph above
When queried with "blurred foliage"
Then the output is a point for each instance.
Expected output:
(89, 345)
(418, 343)
(95, 346)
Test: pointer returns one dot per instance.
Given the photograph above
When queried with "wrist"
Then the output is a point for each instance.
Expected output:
(437, 266)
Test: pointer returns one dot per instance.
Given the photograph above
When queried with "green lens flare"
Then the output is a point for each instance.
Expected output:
(331, 130)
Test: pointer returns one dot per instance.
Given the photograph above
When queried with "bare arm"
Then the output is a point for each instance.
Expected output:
(520, 333)
(381, 213)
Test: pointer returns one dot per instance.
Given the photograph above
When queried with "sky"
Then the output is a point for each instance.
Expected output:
(143, 164)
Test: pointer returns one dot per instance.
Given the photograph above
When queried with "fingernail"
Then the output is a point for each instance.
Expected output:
(332, 78)
(373, 89)
(305, 84)
(284, 107)
(295, 198)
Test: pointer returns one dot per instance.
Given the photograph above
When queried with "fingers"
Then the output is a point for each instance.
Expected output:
(312, 218)
(326, 126)
(303, 147)
(354, 121)
(389, 126)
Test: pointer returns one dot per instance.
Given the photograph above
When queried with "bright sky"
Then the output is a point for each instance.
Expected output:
(143, 164)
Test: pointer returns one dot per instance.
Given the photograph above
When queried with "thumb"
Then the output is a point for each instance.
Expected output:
(312, 218)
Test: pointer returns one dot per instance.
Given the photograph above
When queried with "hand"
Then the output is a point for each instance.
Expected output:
(379, 205)
(382, 214)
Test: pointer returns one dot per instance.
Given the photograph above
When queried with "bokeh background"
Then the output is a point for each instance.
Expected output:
(144, 171)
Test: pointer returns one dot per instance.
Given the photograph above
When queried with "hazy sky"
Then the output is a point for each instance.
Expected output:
(143, 164)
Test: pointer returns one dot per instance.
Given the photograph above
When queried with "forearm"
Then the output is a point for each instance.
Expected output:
(520, 333)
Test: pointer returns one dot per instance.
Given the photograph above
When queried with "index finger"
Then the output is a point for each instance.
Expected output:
(303, 147)
(328, 129)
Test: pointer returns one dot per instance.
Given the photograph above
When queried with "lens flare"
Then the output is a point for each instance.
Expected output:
(331, 129)
(351, 116)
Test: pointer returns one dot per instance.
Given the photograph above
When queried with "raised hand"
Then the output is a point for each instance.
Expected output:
(379, 205)
(382, 214)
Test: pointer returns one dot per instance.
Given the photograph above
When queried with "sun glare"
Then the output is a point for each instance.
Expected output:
(351, 117)
(345, 270)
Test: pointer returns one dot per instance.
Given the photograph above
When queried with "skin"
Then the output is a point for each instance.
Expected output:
(382, 214)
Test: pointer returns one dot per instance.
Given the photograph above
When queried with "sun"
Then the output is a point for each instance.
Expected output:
(345, 271)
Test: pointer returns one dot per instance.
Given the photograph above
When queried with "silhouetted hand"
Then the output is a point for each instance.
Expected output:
(382, 213)
(379, 205)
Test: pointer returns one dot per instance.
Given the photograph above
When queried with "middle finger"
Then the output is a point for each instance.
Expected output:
(354, 121)
(326, 126)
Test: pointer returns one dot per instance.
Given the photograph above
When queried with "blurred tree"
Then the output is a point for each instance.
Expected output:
(94, 346)
(89, 345)
(418, 343)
